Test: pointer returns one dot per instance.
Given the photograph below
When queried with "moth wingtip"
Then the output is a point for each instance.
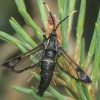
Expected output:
(87, 80)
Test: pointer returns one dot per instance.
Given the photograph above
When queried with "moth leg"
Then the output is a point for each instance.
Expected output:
(37, 66)
(54, 82)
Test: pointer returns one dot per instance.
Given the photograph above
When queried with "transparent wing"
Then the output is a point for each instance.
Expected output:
(25, 61)
(73, 69)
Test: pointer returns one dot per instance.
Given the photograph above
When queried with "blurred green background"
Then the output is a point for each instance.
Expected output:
(8, 9)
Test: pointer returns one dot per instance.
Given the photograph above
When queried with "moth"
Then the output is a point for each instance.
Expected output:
(46, 56)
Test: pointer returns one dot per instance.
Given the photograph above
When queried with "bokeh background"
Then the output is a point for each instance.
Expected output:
(8, 9)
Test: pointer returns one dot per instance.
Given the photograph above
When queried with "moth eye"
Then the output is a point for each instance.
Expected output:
(13, 62)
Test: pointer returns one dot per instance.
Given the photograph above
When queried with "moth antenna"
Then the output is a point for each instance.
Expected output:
(50, 15)
(65, 19)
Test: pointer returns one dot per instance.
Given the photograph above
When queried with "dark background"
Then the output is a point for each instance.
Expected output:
(8, 9)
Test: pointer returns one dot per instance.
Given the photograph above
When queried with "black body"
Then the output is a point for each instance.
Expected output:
(48, 62)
